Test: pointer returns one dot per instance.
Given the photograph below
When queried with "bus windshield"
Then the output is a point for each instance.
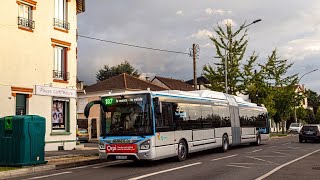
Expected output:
(128, 115)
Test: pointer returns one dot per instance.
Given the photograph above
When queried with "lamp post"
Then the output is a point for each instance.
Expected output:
(230, 56)
(295, 109)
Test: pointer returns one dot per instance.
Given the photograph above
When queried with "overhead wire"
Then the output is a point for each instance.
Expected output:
(132, 45)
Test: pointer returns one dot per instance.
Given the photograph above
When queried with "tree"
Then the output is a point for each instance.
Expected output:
(230, 48)
(253, 83)
(317, 118)
(283, 86)
(313, 100)
(107, 72)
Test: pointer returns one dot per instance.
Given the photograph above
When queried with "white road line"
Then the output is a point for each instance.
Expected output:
(286, 164)
(270, 156)
(50, 175)
(273, 146)
(167, 170)
(293, 148)
(244, 163)
(261, 160)
(112, 163)
(280, 153)
(81, 167)
(256, 150)
(286, 143)
(224, 157)
(238, 166)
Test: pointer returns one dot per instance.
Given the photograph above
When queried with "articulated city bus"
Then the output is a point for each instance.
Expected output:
(152, 125)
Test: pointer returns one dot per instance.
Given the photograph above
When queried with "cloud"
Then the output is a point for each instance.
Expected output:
(299, 49)
(228, 21)
(221, 12)
(208, 45)
(202, 34)
(179, 13)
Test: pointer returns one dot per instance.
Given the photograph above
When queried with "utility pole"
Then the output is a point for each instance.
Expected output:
(195, 50)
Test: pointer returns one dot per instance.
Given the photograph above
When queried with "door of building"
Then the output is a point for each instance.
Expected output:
(93, 128)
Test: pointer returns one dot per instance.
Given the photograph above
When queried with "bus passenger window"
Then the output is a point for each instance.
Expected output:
(164, 120)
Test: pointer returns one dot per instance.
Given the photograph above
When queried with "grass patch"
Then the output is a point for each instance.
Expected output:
(277, 135)
(7, 168)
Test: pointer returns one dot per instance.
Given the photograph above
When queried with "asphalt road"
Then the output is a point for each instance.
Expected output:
(275, 159)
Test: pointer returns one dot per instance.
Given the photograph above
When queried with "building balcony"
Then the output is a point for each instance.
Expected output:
(61, 24)
(26, 23)
(60, 75)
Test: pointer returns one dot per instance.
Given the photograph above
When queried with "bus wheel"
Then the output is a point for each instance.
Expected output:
(182, 150)
(258, 140)
(225, 143)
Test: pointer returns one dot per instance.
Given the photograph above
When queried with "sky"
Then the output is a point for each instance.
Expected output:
(291, 26)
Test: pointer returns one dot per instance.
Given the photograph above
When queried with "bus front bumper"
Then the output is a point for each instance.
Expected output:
(140, 155)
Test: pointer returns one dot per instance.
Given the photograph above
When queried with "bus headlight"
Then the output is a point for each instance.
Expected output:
(145, 145)
(101, 145)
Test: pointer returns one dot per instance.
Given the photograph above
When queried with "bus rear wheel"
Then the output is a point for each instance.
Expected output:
(225, 143)
(182, 150)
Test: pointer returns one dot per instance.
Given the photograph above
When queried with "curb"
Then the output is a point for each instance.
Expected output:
(42, 168)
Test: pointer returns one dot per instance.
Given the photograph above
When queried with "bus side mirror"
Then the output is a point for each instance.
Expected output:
(157, 105)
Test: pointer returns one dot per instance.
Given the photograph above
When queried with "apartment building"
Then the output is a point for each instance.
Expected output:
(38, 65)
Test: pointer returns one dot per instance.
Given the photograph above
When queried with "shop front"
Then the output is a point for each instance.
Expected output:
(60, 115)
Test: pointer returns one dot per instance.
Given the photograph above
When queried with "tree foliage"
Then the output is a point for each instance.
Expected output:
(107, 72)
(230, 49)
(313, 100)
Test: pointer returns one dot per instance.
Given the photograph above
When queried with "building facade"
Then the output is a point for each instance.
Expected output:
(38, 65)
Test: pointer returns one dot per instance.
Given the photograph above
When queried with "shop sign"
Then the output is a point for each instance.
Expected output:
(54, 91)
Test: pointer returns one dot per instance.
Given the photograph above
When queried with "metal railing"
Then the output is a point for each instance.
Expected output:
(26, 22)
(61, 75)
(61, 24)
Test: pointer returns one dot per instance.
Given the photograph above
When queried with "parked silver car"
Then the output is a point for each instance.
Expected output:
(295, 128)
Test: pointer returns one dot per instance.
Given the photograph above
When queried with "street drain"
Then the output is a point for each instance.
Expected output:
(317, 167)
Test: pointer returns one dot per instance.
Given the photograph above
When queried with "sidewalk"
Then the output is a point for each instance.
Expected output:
(59, 160)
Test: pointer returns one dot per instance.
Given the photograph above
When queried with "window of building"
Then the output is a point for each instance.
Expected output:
(21, 104)
(60, 114)
(60, 63)
(60, 18)
(25, 16)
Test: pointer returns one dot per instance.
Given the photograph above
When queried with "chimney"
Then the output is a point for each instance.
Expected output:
(147, 78)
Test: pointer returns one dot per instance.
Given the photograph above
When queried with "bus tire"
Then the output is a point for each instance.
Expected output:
(258, 140)
(182, 150)
(225, 143)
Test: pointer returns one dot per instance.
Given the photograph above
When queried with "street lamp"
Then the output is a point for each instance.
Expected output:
(295, 109)
(226, 60)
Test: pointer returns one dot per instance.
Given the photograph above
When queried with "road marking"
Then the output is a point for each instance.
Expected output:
(255, 151)
(261, 160)
(167, 170)
(280, 153)
(269, 156)
(286, 164)
(273, 146)
(50, 175)
(81, 167)
(295, 148)
(244, 163)
(112, 163)
(238, 166)
(224, 157)
(286, 143)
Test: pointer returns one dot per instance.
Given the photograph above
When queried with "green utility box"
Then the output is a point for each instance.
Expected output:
(22, 140)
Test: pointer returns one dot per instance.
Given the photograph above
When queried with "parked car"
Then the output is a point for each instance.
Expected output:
(82, 135)
(295, 128)
(310, 132)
